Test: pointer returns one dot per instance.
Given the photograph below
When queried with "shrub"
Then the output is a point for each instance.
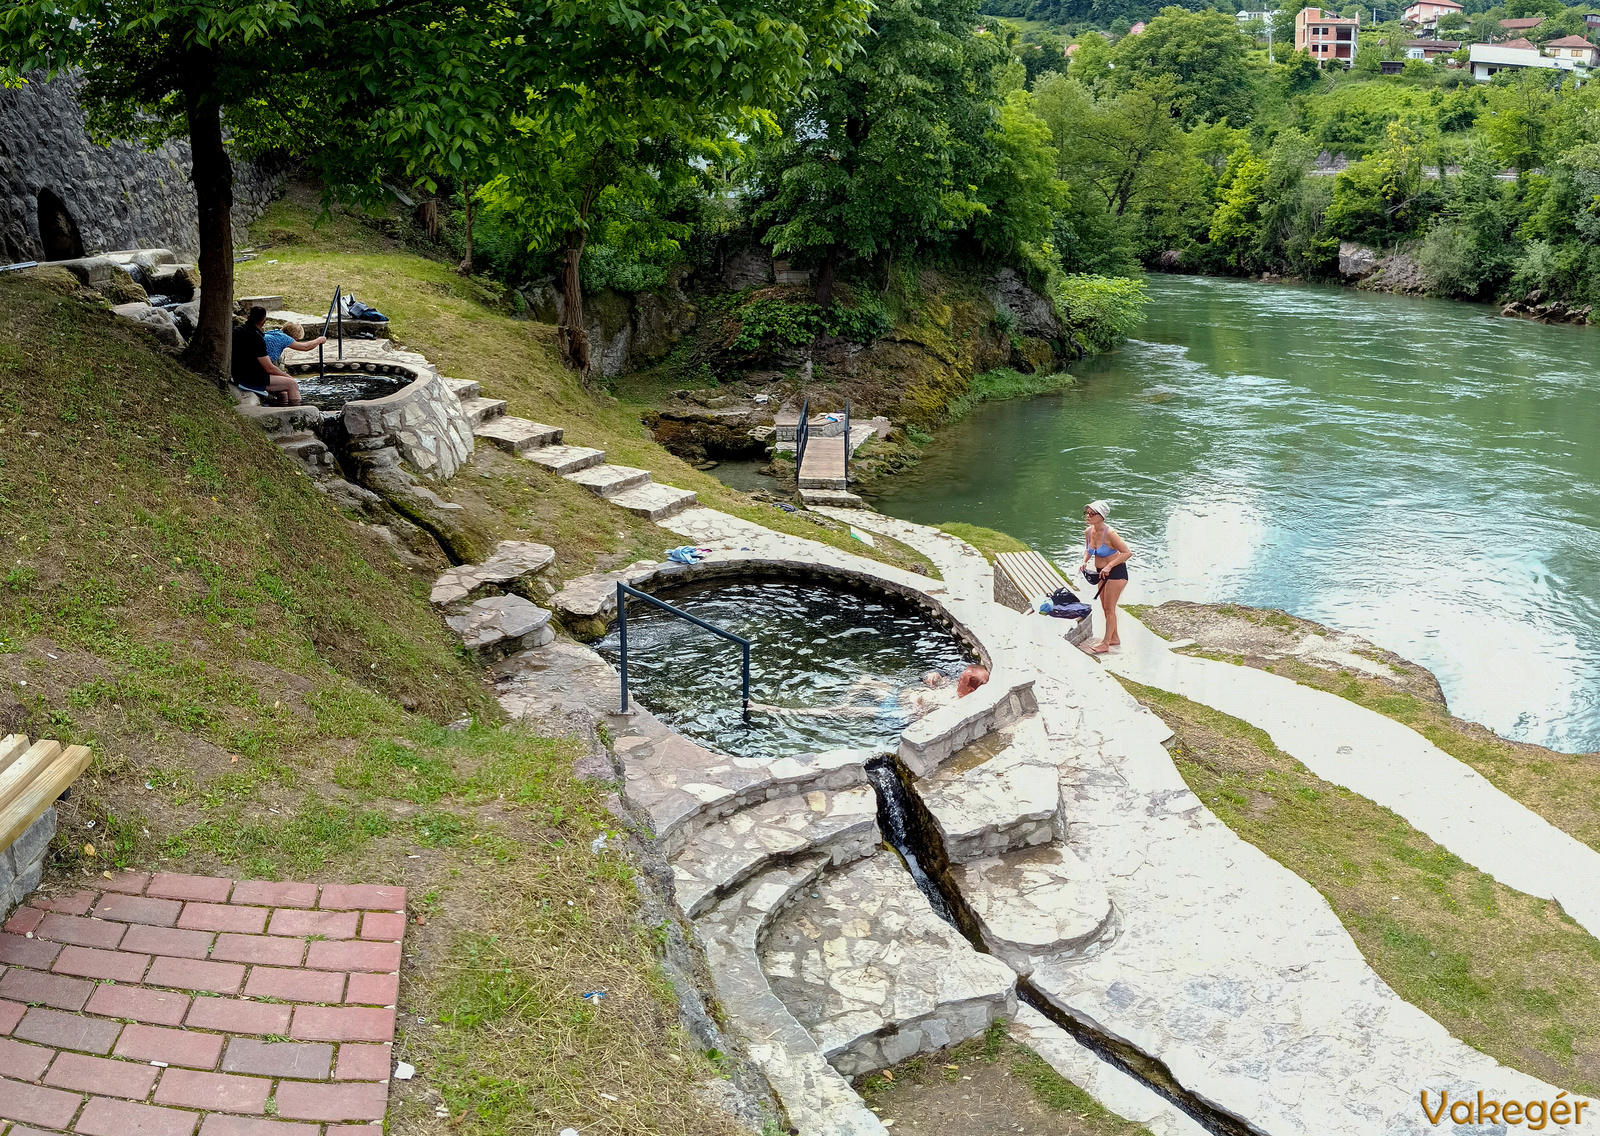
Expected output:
(1535, 268)
(766, 325)
(1100, 309)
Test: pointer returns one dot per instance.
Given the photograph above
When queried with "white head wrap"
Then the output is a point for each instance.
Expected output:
(1100, 507)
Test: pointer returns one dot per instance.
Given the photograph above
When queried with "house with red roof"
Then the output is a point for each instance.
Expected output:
(1573, 47)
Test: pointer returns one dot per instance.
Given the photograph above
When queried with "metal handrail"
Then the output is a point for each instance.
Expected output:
(623, 592)
(802, 435)
(334, 308)
(847, 443)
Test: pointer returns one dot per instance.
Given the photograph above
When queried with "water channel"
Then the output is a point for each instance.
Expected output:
(1420, 472)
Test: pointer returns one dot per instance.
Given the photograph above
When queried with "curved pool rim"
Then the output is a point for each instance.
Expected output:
(930, 741)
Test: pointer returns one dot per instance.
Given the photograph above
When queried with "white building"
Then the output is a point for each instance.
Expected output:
(1489, 59)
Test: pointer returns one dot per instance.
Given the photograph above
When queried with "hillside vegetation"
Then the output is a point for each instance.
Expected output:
(1184, 146)
(268, 692)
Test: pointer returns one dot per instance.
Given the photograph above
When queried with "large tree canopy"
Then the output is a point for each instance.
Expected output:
(423, 88)
(888, 154)
(317, 76)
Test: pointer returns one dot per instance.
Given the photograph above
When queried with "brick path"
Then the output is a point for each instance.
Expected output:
(162, 1005)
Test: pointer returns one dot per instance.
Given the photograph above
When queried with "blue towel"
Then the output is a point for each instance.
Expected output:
(687, 554)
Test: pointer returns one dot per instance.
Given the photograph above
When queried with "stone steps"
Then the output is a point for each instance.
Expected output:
(844, 825)
(517, 435)
(838, 498)
(481, 410)
(565, 459)
(464, 388)
(656, 502)
(999, 794)
(876, 977)
(1037, 905)
(609, 480)
(818, 1100)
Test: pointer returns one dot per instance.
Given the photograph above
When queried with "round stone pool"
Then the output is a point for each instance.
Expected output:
(830, 668)
(333, 390)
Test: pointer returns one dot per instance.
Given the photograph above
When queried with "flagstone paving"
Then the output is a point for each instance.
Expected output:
(165, 1005)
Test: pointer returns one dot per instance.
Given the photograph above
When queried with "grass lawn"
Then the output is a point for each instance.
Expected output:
(1508, 973)
(265, 688)
(467, 329)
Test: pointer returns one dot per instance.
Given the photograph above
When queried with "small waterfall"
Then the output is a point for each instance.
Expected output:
(911, 831)
(894, 817)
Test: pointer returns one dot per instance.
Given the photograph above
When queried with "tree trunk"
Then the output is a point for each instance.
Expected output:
(825, 278)
(208, 351)
(465, 267)
(574, 340)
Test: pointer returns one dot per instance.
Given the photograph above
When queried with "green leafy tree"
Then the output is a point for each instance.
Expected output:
(639, 94)
(1299, 73)
(885, 156)
(1236, 224)
(1202, 53)
(1377, 200)
(1521, 115)
(316, 74)
(1020, 191)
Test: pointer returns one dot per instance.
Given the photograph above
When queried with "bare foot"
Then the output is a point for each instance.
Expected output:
(1099, 649)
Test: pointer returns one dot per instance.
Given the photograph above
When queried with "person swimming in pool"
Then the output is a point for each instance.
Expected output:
(933, 691)
(1111, 555)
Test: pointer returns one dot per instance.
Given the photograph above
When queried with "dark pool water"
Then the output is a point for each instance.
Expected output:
(336, 389)
(812, 648)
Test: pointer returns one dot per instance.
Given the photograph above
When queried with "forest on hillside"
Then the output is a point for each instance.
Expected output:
(604, 144)
(1184, 145)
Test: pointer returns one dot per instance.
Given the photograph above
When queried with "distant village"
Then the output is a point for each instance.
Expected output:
(1329, 38)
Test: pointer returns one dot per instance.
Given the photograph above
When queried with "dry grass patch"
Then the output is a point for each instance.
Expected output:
(989, 1086)
(990, 542)
(1506, 972)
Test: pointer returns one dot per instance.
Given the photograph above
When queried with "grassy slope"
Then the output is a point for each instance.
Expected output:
(262, 685)
(1508, 973)
(464, 329)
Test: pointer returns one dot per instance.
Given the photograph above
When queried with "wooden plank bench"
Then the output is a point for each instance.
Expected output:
(1022, 577)
(32, 776)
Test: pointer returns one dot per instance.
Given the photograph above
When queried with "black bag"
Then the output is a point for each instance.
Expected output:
(1063, 596)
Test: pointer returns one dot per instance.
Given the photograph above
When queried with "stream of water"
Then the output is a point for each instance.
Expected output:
(1420, 472)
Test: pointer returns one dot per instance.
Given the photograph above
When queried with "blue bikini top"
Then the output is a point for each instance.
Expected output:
(1103, 550)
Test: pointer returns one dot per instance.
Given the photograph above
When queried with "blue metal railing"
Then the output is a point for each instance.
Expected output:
(335, 309)
(802, 435)
(623, 592)
(847, 443)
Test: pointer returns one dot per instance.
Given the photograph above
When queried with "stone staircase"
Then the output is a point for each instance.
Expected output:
(758, 843)
(625, 487)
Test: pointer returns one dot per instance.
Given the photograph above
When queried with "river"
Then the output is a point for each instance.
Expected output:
(1420, 472)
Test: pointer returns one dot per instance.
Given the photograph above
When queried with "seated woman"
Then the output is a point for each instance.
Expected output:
(290, 337)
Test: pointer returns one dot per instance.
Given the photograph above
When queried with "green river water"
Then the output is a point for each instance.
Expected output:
(1420, 472)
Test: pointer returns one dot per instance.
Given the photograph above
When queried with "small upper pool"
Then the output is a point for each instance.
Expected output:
(830, 668)
(333, 390)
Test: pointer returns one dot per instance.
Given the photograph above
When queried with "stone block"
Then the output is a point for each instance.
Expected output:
(157, 321)
(501, 625)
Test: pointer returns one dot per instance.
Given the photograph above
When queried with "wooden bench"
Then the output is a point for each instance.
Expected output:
(32, 776)
(1021, 578)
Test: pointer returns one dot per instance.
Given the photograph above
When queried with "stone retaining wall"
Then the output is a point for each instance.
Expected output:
(22, 865)
(929, 742)
(117, 196)
(423, 422)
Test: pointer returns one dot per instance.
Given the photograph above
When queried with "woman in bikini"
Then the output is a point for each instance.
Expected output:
(1110, 554)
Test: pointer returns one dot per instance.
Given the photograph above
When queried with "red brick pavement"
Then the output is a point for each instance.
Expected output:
(184, 960)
